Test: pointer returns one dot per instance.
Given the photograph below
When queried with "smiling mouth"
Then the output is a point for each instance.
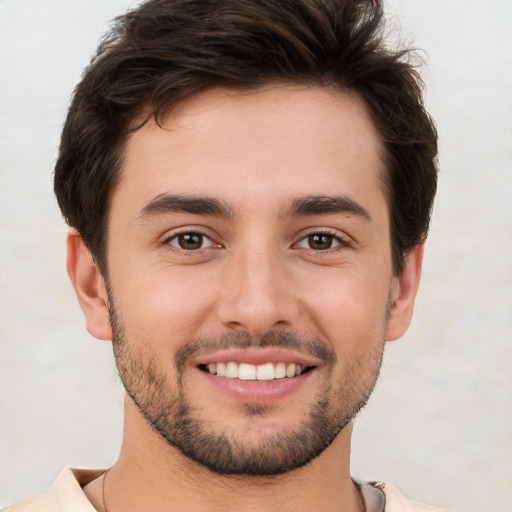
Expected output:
(262, 372)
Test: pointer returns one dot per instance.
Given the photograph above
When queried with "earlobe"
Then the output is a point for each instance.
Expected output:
(89, 286)
(403, 295)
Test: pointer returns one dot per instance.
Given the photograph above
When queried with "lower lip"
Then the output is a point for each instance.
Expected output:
(257, 391)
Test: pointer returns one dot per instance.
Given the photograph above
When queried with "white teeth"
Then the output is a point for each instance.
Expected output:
(280, 371)
(265, 372)
(232, 370)
(246, 371)
(221, 369)
(290, 370)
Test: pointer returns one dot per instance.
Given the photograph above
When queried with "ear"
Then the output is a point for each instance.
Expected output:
(89, 286)
(403, 295)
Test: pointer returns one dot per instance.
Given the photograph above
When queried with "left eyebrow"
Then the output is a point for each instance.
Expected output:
(326, 205)
(177, 203)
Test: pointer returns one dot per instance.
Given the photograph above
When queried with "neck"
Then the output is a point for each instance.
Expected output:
(151, 475)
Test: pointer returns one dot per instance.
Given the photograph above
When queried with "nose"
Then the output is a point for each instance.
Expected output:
(256, 294)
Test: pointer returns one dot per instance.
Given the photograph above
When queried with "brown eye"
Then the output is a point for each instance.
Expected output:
(320, 242)
(189, 241)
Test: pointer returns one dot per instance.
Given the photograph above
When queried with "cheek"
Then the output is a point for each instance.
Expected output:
(348, 306)
(159, 301)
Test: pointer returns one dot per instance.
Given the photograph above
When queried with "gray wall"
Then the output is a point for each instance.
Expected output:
(439, 423)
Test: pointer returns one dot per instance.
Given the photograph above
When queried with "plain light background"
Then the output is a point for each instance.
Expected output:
(439, 424)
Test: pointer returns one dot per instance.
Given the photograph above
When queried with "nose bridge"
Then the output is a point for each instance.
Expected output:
(255, 296)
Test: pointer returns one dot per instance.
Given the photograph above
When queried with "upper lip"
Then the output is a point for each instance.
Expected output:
(257, 356)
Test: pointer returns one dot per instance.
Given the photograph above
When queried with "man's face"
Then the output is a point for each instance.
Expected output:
(250, 274)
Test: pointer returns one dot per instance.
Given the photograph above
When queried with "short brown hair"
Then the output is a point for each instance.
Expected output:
(167, 50)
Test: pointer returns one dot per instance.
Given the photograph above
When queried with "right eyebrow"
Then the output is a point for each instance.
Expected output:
(327, 205)
(177, 203)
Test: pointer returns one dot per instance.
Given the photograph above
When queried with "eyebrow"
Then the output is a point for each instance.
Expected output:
(325, 205)
(177, 203)
(301, 206)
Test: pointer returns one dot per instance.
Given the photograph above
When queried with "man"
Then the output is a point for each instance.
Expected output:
(248, 186)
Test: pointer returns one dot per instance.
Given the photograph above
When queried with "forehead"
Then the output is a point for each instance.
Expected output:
(263, 143)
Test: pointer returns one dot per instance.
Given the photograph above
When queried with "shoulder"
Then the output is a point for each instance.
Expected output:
(397, 502)
(420, 507)
(39, 503)
(63, 495)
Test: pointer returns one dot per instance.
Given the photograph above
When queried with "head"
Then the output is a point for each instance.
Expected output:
(254, 182)
(164, 52)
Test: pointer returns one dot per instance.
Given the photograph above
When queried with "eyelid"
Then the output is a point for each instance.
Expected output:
(344, 241)
(184, 230)
(204, 239)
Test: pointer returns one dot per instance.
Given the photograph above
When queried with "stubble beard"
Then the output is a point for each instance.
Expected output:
(170, 412)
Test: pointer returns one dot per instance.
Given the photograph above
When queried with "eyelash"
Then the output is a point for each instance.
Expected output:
(190, 232)
(341, 241)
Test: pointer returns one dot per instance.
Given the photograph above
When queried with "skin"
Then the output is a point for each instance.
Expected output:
(256, 153)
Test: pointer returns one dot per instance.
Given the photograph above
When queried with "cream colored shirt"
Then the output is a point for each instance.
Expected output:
(66, 495)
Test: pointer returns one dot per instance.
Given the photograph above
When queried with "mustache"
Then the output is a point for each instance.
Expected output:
(239, 340)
